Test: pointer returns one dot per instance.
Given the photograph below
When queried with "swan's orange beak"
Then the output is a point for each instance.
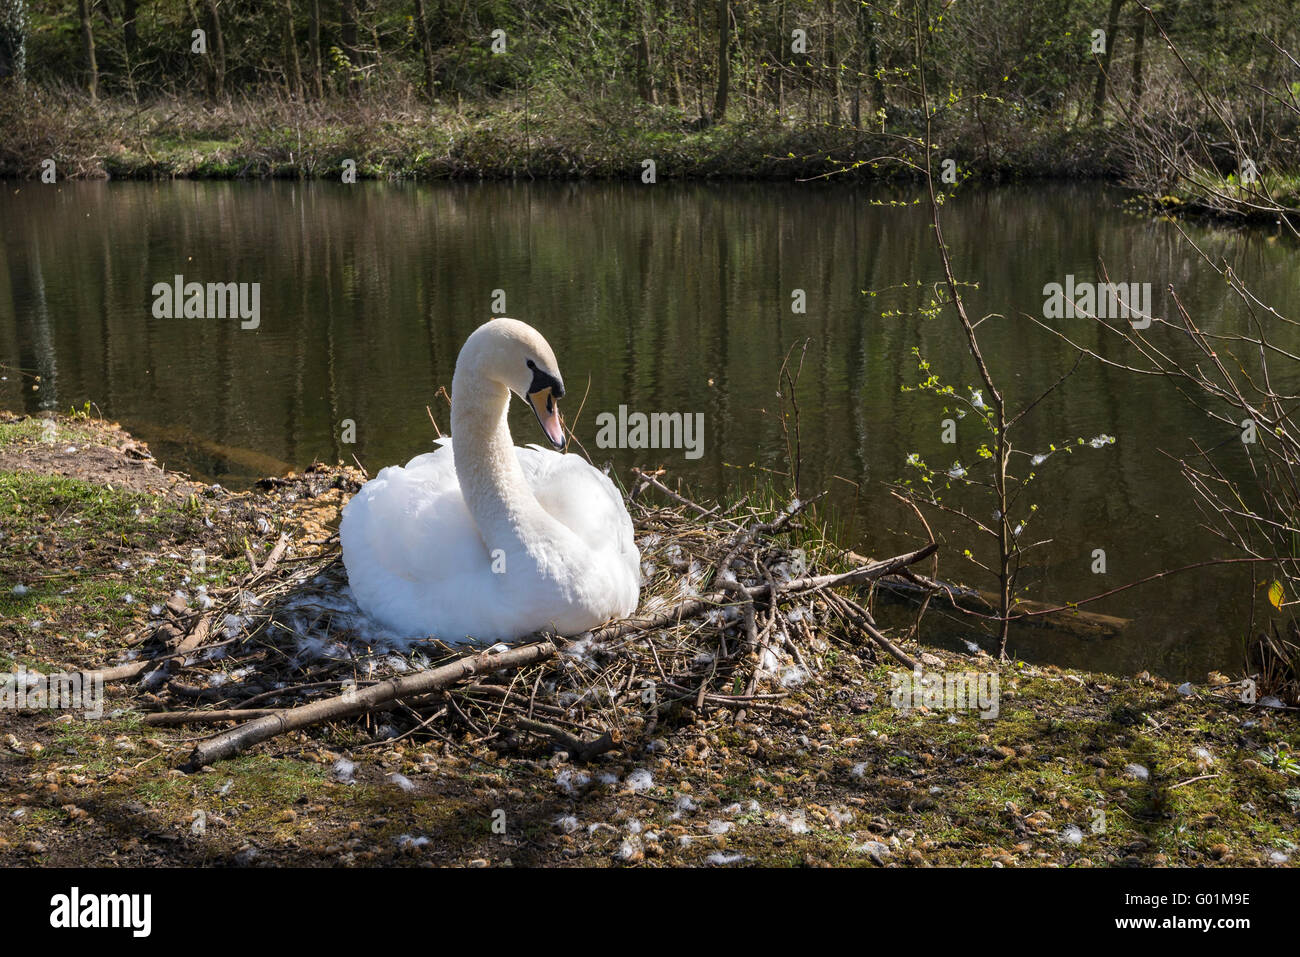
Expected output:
(547, 411)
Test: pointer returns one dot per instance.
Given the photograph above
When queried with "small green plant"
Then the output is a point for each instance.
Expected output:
(1281, 759)
(1001, 472)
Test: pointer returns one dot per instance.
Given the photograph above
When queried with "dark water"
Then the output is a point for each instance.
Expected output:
(663, 298)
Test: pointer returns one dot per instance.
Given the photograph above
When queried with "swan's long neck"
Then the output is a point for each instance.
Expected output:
(495, 489)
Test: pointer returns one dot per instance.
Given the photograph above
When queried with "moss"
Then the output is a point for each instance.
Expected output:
(61, 534)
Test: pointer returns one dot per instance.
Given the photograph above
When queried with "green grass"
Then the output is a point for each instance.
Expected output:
(1067, 749)
(24, 431)
(80, 550)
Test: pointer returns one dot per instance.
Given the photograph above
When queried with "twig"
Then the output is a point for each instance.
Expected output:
(236, 740)
(1203, 777)
(578, 749)
(864, 619)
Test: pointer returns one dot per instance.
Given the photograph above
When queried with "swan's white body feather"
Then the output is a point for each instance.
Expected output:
(418, 563)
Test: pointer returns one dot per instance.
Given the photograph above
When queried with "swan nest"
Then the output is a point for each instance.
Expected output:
(708, 637)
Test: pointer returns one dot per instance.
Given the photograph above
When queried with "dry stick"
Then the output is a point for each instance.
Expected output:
(257, 572)
(120, 672)
(170, 718)
(793, 648)
(751, 626)
(865, 573)
(133, 668)
(763, 646)
(232, 742)
(649, 479)
(197, 636)
(1203, 777)
(276, 553)
(786, 639)
(704, 685)
(578, 749)
(863, 618)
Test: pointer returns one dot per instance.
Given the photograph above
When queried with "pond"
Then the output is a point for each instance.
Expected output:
(665, 298)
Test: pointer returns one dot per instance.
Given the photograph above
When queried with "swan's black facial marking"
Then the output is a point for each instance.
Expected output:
(544, 380)
(548, 387)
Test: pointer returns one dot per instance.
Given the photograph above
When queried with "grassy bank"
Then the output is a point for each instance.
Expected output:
(510, 140)
(503, 139)
(1078, 769)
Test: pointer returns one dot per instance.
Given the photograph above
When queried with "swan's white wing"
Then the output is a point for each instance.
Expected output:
(583, 498)
(416, 561)
(411, 524)
(586, 501)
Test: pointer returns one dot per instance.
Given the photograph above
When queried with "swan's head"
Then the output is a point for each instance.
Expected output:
(514, 354)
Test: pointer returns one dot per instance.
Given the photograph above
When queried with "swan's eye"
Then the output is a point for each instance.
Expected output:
(543, 380)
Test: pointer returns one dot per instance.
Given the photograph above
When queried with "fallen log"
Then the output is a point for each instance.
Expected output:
(232, 742)
(1082, 624)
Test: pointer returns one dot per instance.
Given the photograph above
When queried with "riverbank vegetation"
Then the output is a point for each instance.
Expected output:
(1193, 104)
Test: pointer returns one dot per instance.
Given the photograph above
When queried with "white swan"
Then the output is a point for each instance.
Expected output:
(480, 540)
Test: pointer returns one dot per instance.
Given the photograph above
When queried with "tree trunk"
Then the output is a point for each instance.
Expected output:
(426, 51)
(859, 46)
(295, 65)
(13, 39)
(313, 38)
(833, 55)
(645, 70)
(778, 63)
(217, 50)
(130, 36)
(724, 60)
(1139, 38)
(88, 48)
(873, 60)
(370, 24)
(349, 30)
(1103, 78)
